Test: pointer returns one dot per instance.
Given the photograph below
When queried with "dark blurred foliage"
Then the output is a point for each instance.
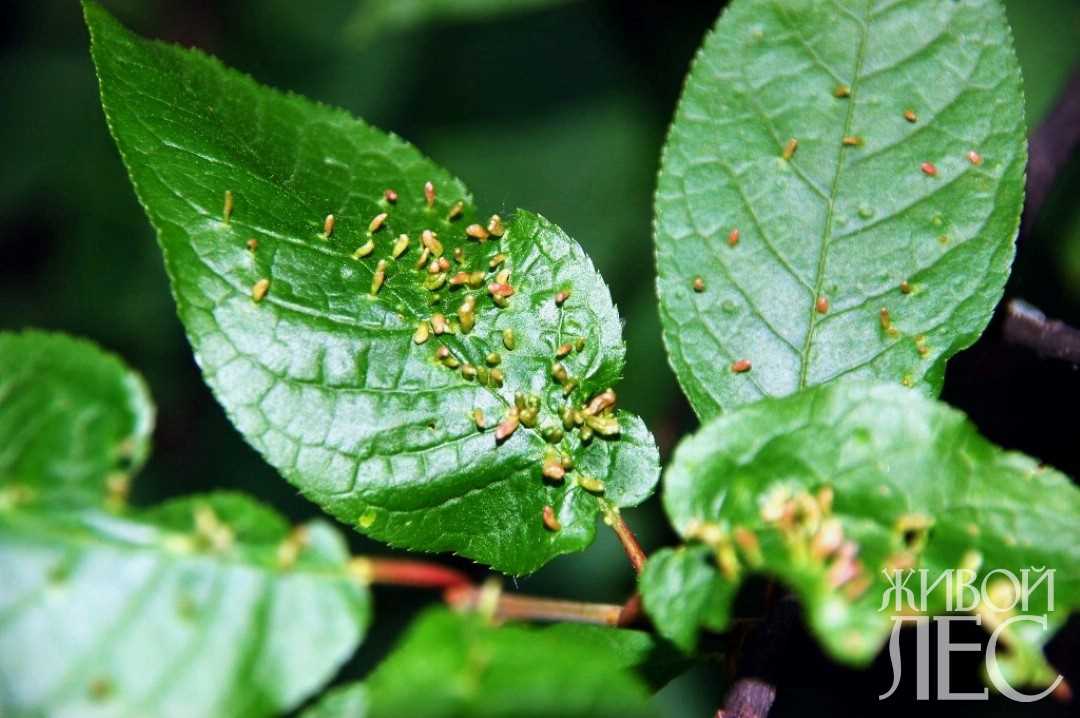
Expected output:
(561, 110)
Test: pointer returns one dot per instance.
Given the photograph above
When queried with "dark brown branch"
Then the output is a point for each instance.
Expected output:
(762, 649)
(748, 698)
(1027, 326)
(1050, 148)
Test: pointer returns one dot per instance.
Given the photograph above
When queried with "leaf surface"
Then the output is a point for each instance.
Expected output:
(869, 211)
(325, 373)
(74, 420)
(458, 665)
(206, 605)
(833, 489)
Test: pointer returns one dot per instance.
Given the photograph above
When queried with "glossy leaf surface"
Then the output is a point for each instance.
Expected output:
(373, 381)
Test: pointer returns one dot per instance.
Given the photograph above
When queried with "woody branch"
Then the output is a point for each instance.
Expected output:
(459, 591)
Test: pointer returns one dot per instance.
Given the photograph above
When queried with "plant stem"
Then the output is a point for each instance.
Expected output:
(759, 662)
(460, 592)
(631, 611)
(748, 698)
(1027, 326)
(510, 606)
(417, 574)
(629, 542)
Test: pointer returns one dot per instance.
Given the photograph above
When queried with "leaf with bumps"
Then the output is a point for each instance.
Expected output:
(459, 665)
(75, 421)
(206, 605)
(434, 376)
(839, 195)
(832, 489)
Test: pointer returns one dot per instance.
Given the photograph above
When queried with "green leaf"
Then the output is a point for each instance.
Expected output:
(75, 421)
(846, 224)
(207, 605)
(829, 488)
(656, 660)
(459, 665)
(326, 379)
(682, 593)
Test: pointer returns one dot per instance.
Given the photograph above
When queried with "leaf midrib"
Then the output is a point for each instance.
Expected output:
(826, 235)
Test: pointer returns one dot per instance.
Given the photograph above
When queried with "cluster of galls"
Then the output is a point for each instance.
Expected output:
(559, 371)
(597, 416)
(488, 374)
(814, 535)
(557, 465)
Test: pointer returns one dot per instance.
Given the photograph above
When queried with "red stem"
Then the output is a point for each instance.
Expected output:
(459, 591)
(629, 541)
(631, 611)
(418, 574)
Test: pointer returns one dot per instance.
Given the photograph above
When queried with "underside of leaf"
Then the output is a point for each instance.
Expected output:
(205, 606)
(839, 195)
(208, 605)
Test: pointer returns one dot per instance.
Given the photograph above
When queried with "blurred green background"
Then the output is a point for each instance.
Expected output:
(559, 106)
